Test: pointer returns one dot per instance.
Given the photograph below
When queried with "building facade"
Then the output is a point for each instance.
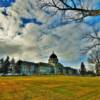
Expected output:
(52, 67)
(29, 68)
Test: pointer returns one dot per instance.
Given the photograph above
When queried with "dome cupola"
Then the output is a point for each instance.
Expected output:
(53, 55)
(53, 59)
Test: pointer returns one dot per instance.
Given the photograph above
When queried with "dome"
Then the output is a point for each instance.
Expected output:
(53, 59)
(53, 55)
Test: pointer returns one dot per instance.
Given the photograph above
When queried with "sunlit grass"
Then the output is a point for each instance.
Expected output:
(49, 88)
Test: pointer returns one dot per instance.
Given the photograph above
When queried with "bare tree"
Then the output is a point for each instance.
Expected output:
(71, 9)
(92, 39)
(92, 48)
(94, 58)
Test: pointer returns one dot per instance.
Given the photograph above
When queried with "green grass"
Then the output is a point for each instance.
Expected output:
(49, 88)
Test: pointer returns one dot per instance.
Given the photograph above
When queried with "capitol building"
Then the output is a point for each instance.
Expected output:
(52, 67)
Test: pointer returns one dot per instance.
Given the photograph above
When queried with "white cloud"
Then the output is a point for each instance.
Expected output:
(36, 42)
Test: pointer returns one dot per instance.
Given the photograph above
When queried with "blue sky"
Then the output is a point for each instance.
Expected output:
(45, 33)
(6, 3)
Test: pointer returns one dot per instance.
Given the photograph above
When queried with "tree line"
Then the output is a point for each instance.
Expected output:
(9, 66)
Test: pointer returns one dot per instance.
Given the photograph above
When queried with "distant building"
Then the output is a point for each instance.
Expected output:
(25, 67)
(45, 68)
(29, 68)
(69, 71)
(52, 67)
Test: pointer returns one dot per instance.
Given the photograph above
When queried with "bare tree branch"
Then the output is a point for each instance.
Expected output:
(92, 40)
(71, 5)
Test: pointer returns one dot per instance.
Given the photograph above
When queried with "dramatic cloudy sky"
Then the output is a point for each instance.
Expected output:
(28, 33)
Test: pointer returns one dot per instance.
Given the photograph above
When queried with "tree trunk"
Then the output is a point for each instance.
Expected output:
(98, 69)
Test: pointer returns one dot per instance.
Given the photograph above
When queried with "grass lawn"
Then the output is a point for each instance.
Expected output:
(49, 88)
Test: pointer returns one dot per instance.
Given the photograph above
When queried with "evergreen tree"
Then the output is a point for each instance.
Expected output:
(18, 67)
(12, 65)
(6, 65)
(82, 69)
(1, 65)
